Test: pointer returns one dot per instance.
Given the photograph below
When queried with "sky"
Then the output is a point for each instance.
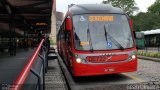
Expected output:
(62, 5)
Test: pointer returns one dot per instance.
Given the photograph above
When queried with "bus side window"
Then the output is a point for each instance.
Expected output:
(67, 34)
(62, 32)
(68, 40)
(60, 35)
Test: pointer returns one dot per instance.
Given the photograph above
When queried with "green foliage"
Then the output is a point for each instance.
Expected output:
(149, 54)
(142, 21)
(146, 21)
(149, 20)
(129, 6)
(155, 8)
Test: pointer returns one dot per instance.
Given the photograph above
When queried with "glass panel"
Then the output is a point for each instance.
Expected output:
(101, 32)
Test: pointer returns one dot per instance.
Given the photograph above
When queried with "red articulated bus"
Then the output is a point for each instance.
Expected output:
(97, 39)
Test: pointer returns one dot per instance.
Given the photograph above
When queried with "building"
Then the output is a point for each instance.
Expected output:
(59, 19)
(53, 24)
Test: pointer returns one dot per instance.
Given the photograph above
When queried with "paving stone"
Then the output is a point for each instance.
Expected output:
(54, 79)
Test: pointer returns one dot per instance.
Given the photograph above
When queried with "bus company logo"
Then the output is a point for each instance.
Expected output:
(108, 58)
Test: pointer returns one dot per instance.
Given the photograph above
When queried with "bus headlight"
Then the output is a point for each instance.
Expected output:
(79, 60)
(133, 57)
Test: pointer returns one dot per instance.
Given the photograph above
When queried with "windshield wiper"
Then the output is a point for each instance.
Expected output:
(113, 40)
(105, 33)
(90, 41)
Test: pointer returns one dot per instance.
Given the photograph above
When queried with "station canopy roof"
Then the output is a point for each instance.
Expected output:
(28, 16)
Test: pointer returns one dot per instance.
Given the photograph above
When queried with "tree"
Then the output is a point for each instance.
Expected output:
(149, 20)
(129, 6)
(146, 21)
(155, 8)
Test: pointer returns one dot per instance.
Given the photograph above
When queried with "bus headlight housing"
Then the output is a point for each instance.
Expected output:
(133, 57)
(79, 60)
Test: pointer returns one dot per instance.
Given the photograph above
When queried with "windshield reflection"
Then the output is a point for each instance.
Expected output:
(102, 35)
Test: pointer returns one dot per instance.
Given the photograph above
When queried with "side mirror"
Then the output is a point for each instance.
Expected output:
(139, 35)
(131, 25)
(134, 34)
(68, 23)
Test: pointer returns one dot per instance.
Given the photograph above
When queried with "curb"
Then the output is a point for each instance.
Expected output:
(149, 58)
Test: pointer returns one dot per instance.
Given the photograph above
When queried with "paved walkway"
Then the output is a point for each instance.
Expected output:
(54, 80)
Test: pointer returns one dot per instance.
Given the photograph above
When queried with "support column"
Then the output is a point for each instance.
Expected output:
(53, 28)
(25, 44)
(12, 37)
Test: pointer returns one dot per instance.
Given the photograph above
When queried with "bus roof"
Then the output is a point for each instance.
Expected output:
(94, 9)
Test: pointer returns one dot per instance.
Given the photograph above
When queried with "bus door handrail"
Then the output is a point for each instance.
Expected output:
(20, 80)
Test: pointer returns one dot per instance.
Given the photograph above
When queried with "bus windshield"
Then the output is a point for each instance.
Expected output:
(102, 32)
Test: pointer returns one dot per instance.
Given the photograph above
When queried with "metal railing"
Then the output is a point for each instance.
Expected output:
(148, 48)
(20, 80)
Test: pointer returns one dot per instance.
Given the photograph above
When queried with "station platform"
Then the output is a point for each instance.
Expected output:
(11, 66)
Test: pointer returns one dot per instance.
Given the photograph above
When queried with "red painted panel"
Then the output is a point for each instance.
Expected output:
(102, 59)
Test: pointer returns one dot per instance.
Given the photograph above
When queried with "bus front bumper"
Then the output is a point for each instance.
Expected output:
(102, 69)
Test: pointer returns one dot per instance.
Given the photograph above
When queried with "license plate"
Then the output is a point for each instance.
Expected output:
(109, 69)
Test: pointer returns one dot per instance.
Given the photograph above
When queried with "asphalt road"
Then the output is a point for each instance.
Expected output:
(147, 77)
(149, 69)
